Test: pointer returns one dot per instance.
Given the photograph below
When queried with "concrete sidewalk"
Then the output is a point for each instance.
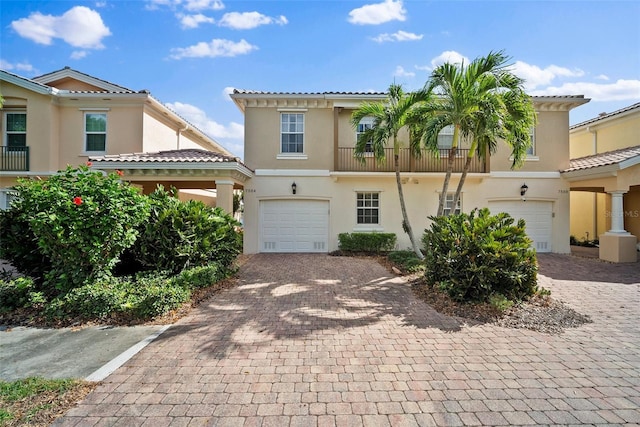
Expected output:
(90, 353)
(314, 340)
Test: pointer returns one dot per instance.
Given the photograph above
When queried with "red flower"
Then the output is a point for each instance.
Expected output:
(119, 172)
(77, 200)
(89, 164)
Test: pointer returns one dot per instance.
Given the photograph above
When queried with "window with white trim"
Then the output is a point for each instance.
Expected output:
(365, 124)
(368, 208)
(292, 133)
(7, 195)
(95, 131)
(15, 134)
(448, 204)
(531, 151)
(445, 138)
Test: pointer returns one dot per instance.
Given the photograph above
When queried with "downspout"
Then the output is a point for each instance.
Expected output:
(178, 132)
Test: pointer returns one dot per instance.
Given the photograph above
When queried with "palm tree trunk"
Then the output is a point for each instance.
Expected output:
(405, 218)
(467, 165)
(447, 178)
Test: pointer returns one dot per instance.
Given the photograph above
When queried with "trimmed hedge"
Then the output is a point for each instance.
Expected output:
(367, 242)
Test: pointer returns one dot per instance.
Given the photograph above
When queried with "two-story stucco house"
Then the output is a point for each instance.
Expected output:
(604, 176)
(67, 118)
(307, 187)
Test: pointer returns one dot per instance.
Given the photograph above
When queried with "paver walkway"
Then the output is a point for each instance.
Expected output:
(307, 340)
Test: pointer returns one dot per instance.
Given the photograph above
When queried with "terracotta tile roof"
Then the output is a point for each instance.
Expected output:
(603, 116)
(188, 155)
(260, 92)
(603, 159)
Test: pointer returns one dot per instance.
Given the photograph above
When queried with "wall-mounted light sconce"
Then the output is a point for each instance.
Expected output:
(523, 189)
(294, 187)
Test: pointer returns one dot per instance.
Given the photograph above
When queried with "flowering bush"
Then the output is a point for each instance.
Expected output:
(82, 221)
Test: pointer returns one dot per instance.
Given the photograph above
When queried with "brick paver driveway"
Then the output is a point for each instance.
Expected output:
(317, 340)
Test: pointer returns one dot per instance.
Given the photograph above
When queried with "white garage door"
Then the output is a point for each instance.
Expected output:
(537, 215)
(294, 225)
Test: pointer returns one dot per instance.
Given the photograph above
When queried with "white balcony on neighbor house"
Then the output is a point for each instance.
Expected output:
(14, 159)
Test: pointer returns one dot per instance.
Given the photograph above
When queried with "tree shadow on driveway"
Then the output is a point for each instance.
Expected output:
(294, 296)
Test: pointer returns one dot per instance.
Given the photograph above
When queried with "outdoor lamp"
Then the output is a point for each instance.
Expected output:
(523, 189)
(293, 187)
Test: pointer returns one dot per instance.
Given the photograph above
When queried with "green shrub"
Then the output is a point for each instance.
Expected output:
(155, 296)
(19, 292)
(97, 300)
(82, 220)
(19, 245)
(179, 235)
(199, 277)
(367, 242)
(406, 260)
(475, 256)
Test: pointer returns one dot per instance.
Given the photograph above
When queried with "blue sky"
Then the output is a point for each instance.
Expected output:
(189, 53)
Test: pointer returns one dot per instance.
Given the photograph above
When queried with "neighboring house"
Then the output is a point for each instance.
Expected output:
(307, 187)
(605, 182)
(67, 118)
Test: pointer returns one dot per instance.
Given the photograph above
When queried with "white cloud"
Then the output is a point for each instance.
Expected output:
(248, 20)
(378, 13)
(217, 47)
(621, 90)
(226, 92)
(602, 77)
(79, 26)
(450, 56)
(400, 36)
(20, 66)
(79, 54)
(195, 5)
(535, 76)
(230, 136)
(401, 72)
(194, 21)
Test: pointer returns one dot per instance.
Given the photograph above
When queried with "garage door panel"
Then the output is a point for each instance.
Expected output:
(294, 225)
(537, 216)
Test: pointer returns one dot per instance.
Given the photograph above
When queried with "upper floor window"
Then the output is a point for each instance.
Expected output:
(364, 125)
(95, 130)
(368, 208)
(531, 151)
(292, 133)
(448, 204)
(15, 130)
(445, 138)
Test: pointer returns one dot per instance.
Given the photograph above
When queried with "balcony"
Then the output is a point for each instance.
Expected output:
(426, 163)
(14, 159)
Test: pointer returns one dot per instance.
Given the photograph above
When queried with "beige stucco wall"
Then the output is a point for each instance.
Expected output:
(421, 195)
(551, 145)
(262, 128)
(124, 131)
(610, 134)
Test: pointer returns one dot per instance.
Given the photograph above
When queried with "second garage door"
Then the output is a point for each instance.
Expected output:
(294, 226)
(537, 215)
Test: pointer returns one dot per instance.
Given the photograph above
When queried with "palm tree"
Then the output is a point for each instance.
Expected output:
(388, 118)
(484, 102)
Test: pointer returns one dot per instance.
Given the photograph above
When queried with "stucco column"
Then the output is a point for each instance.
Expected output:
(617, 212)
(224, 195)
(617, 244)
